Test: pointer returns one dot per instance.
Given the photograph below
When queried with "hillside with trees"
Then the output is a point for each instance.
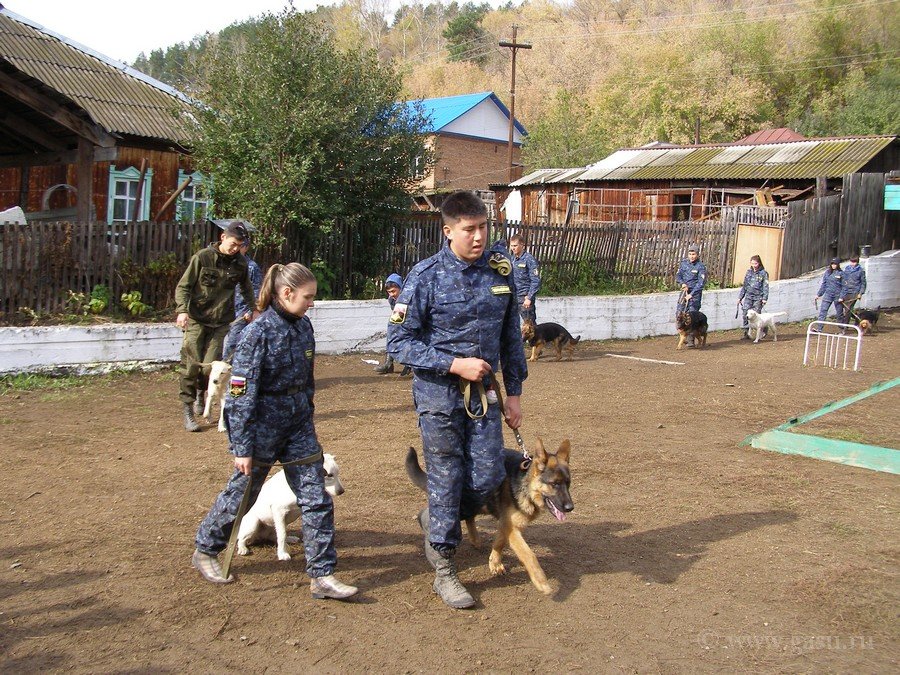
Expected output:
(605, 74)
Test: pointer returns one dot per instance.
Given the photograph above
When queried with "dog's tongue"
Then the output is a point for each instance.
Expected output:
(559, 515)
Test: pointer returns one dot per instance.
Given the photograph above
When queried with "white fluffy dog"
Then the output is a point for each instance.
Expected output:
(276, 507)
(217, 389)
(762, 322)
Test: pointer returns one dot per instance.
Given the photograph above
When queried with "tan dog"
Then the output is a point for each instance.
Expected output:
(528, 488)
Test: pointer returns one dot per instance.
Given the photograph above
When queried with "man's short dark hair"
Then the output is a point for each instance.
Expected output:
(238, 230)
(462, 204)
(518, 238)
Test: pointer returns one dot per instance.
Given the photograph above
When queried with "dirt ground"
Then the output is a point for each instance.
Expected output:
(685, 553)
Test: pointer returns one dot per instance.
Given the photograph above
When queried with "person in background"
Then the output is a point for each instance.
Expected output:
(392, 286)
(854, 285)
(244, 308)
(830, 291)
(755, 291)
(204, 303)
(527, 276)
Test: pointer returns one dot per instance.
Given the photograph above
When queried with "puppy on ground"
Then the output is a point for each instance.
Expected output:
(538, 335)
(219, 375)
(691, 324)
(760, 323)
(276, 507)
(528, 487)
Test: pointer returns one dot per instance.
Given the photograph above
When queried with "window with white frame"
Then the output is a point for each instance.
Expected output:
(123, 190)
(193, 202)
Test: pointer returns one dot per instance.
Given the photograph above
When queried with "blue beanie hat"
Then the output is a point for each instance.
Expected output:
(394, 279)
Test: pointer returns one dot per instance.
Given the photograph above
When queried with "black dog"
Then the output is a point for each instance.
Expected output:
(548, 333)
(691, 323)
(866, 319)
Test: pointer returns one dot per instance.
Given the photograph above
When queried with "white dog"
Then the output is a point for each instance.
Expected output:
(761, 322)
(217, 389)
(276, 507)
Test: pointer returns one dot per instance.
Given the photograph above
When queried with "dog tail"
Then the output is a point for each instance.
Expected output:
(780, 314)
(414, 471)
(575, 341)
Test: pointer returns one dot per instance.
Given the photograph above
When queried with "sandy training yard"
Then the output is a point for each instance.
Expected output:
(685, 552)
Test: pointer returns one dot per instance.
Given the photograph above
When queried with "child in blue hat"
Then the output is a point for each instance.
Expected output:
(392, 286)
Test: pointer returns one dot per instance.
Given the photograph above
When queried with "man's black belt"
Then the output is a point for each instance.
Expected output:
(290, 391)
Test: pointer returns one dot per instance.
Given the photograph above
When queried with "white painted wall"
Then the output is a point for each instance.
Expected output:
(361, 325)
(485, 120)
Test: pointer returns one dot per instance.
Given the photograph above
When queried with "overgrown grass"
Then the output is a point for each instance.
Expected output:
(10, 384)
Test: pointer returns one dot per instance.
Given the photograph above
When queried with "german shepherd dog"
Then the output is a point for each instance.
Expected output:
(517, 501)
(691, 323)
(548, 333)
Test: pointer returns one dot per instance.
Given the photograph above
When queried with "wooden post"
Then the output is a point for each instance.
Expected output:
(515, 46)
(140, 192)
(84, 178)
(173, 197)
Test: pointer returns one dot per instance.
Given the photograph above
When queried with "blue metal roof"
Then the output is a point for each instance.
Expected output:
(442, 111)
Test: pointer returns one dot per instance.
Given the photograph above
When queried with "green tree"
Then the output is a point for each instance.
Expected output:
(298, 134)
(467, 40)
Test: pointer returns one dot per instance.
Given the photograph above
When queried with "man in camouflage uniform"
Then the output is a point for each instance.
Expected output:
(204, 300)
(244, 308)
(456, 322)
(854, 285)
(692, 277)
(527, 275)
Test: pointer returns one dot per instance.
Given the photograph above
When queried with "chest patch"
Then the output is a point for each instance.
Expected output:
(238, 386)
(501, 290)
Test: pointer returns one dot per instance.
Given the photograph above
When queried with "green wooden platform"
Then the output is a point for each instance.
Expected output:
(781, 439)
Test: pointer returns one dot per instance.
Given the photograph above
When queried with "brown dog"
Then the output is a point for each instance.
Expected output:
(517, 501)
(693, 324)
(548, 333)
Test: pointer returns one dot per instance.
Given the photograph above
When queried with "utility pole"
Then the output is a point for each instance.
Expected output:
(515, 46)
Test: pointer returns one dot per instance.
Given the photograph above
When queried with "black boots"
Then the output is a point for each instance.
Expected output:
(386, 367)
(190, 422)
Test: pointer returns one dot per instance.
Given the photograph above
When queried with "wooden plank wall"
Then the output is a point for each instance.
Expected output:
(838, 225)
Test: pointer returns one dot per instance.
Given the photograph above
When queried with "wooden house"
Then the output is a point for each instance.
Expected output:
(84, 137)
(469, 136)
(666, 182)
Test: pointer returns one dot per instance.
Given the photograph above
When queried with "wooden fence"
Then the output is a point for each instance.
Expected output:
(41, 262)
(838, 225)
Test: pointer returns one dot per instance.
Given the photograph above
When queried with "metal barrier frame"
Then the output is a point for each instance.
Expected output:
(831, 344)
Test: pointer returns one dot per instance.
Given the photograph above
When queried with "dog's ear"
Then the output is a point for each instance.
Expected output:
(540, 455)
(206, 369)
(563, 453)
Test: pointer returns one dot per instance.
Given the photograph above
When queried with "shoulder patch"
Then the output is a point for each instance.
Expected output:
(309, 353)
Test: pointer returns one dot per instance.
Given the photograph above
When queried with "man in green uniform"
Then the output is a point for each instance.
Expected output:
(205, 305)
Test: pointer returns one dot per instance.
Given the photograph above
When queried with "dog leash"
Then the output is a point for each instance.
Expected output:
(465, 387)
(242, 509)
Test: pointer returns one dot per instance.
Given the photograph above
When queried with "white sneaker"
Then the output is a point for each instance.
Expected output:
(330, 587)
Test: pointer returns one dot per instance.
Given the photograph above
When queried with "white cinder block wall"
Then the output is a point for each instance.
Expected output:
(361, 325)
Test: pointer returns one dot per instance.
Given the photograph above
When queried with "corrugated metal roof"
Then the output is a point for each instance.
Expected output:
(116, 97)
(807, 159)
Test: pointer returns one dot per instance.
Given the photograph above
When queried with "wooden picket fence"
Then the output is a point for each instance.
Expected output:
(41, 262)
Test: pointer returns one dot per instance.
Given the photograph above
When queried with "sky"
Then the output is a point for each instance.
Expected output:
(124, 30)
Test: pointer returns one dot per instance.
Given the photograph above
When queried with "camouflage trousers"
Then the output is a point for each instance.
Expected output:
(200, 344)
(463, 464)
(306, 481)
